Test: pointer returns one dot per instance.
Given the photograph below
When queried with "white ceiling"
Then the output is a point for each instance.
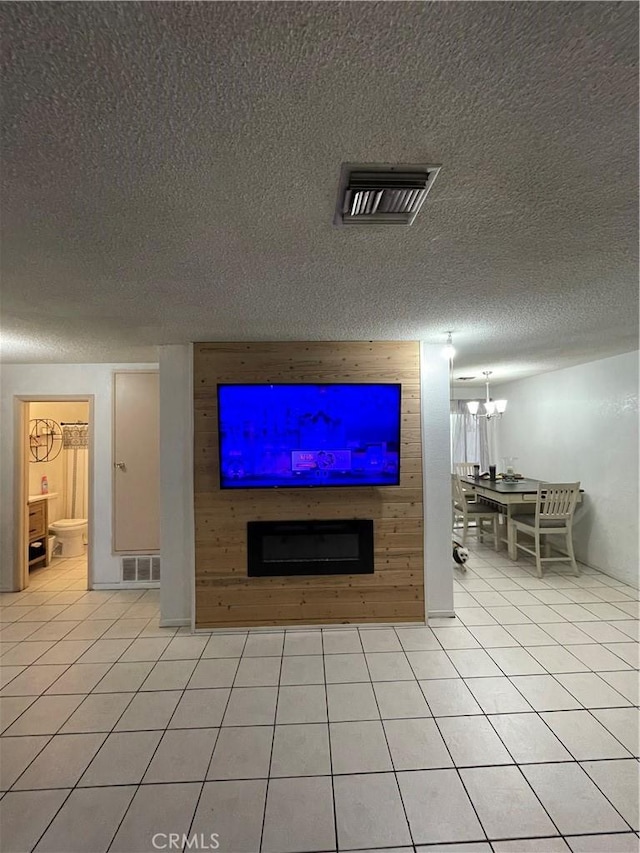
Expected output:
(170, 173)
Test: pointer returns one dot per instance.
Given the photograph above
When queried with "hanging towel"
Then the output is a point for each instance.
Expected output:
(75, 436)
(75, 439)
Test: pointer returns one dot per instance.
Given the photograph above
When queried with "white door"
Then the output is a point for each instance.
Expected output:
(136, 493)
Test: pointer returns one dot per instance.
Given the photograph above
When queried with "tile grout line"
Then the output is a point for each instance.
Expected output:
(165, 729)
(65, 800)
(273, 737)
(367, 719)
(73, 663)
(516, 764)
(55, 815)
(326, 700)
(460, 766)
(453, 764)
(76, 784)
(457, 768)
(524, 776)
(224, 711)
(575, 760)
(386, 739)
(578, 761)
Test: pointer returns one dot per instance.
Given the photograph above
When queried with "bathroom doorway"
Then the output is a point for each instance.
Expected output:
(55, 456)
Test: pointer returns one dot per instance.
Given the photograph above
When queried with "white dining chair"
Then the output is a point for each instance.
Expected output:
(465, 469)
(477, 511)
(555, 506)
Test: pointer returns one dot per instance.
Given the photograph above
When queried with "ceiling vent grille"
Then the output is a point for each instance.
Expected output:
(371, 194)
(140, 569)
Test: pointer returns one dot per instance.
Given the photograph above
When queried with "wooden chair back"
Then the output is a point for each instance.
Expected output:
(556, 501)
(458, 492)
(464, 469)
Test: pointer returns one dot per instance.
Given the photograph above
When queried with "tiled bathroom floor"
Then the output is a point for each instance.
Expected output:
(513, 727)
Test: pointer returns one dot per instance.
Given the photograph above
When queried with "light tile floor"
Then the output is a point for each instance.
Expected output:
(513, 727)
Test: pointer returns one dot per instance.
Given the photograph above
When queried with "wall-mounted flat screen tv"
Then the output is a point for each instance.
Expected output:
(286, 435)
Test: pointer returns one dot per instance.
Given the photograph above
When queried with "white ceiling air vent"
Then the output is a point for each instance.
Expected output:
(141, 569)
(379, 194)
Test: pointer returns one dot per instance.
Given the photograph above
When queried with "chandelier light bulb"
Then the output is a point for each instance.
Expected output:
(492, 408)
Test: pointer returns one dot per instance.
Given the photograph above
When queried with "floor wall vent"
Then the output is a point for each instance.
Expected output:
(137, 569)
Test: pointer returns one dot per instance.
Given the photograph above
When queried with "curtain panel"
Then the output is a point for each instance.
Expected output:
(75, 443)
(469, 437)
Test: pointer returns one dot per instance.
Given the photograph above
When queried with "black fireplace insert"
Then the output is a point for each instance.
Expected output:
(329, 547)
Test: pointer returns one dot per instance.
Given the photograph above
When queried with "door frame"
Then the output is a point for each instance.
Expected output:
(21, 480)
(114, 550)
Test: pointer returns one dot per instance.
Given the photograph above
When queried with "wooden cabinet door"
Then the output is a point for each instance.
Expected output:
(37, 520)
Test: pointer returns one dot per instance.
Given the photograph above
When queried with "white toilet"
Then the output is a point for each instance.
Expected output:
(71, 534)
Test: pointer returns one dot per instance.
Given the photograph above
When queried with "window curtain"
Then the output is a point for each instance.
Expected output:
(470, 440)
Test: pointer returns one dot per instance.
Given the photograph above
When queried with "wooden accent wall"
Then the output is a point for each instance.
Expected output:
(225, 596)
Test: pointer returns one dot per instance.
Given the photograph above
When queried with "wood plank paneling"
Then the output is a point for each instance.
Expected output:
(225, 596)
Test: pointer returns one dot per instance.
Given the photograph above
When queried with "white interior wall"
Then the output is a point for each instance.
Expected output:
(467, 392)
(49, 380)
(436, 465)
(581, 423)
(176, 485)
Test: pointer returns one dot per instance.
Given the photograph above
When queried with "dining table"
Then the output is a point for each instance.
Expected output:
(505, 495)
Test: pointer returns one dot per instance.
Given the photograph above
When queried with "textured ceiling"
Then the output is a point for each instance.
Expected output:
(170, 170)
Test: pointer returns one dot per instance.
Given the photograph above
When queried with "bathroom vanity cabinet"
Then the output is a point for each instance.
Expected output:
(38, 532)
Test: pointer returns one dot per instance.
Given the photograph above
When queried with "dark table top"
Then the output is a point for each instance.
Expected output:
(525, 486)
(518, 487)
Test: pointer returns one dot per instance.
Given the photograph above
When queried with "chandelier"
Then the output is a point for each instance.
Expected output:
(492, 408)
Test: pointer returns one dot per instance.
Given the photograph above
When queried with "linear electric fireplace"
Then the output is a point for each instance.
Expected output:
(332, 547)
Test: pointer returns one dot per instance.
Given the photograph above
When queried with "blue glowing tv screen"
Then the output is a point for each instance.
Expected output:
(274, 436)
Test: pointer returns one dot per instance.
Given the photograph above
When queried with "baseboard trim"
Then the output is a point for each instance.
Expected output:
(174, 623)
(256, 629)
(441, 614)
(125, 585)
